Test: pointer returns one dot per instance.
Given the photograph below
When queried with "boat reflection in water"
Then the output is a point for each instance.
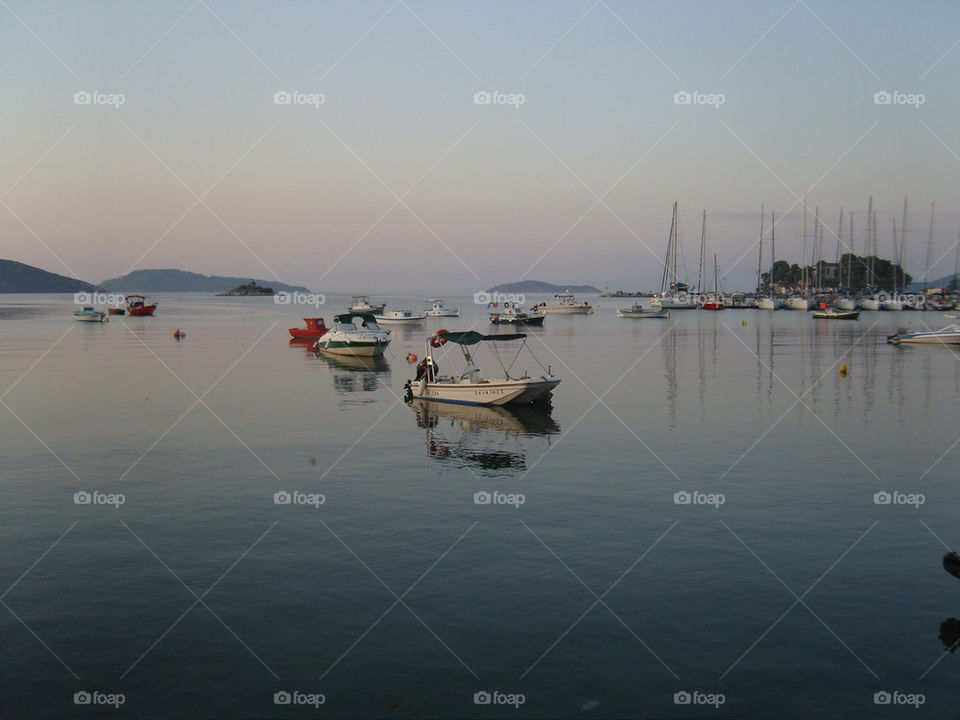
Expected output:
(356, 374)
(486, 439)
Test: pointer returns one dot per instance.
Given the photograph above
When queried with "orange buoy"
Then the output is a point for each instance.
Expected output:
(411, 358)
(177, 334)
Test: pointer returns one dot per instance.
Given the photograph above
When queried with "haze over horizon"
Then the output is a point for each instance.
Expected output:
(401, 178)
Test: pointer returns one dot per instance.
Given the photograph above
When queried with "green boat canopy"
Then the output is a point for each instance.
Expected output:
(469, 337)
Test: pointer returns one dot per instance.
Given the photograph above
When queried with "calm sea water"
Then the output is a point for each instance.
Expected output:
(783, 586)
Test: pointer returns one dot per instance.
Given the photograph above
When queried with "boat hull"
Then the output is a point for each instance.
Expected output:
(538, 320)
(868, 305)
(796, 303)
(845, 304)
(892, 306)
(353, 349)
(766, 304)
(653, 313)
(832, 315)
(95, 318)
(494, 393)
(386, 320)
(142, 311)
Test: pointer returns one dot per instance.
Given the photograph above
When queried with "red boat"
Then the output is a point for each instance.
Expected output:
(138, 305)
(314, 331)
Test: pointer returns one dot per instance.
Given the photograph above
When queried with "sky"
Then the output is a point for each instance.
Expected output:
(451, 146)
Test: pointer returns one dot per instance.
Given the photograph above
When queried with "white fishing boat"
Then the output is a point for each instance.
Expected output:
(437, 309)
(506, 313)
(362, 305)
(638, 311)
(950, 335)
(88, 314)
(563, 304)
(467, 387)
(354, 334)
(400, 317)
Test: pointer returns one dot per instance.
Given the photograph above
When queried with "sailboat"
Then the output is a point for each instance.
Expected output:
(673, 295)
(801, 302)
(845, 303)
(895, 304)
(769, 303)
(866, 302)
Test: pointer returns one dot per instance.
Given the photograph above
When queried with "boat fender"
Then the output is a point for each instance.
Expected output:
(411, 358)
(951, 563)
(177, 334)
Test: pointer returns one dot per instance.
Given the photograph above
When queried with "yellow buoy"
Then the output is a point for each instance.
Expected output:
(843, 371)
(744, 323)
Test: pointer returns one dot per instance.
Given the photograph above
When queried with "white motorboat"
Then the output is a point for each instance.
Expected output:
(400, 317)
(950, 335)
(354, 334)
(438, 310)
(468, 387)
(564, 304)
(638, 311)
(88, 314)
(362, 305)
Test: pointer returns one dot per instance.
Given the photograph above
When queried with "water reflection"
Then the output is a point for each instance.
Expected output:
(950, 628)
(356, 374)
(483, 438)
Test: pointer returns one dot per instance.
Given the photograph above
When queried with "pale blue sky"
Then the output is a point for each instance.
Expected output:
(305, 193)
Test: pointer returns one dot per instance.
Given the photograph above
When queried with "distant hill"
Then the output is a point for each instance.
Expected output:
(16, 277)
(535, 286)
(938, 283)
(156, 281)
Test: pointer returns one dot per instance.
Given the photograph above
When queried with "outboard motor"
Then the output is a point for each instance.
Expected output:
(407, 392)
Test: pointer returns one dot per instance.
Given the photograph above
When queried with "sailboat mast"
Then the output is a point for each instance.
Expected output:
(703, 246)
(929, 248)
(817, 239)
(664, 279)
(896, 253)
(839, 280)
(760, 256)
(903, 244)
(773, 248)
(803, 253)
(850, 255)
